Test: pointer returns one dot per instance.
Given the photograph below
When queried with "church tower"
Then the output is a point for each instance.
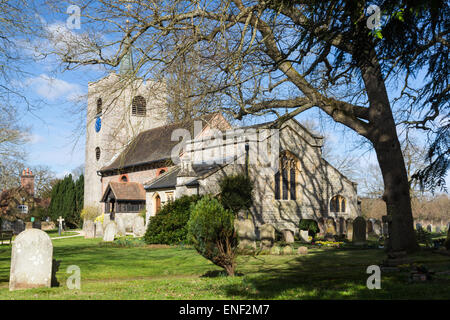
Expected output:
(120, 106)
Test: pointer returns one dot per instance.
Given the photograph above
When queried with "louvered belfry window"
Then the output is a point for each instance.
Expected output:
(138, 106)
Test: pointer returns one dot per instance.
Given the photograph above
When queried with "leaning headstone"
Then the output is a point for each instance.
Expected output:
(288, 236)
(31, 260)
(98, 229)
(429, 228)
(287, 250)
(267, 236)
(304, 235)
(418, 226)
(121, 231)
(246, 233)
(359, 231)
(138, 226)
(302, 250)
(110, 231)
(89, 229)
(349, 229)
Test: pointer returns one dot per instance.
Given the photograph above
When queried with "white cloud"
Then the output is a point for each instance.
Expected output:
(53, 88)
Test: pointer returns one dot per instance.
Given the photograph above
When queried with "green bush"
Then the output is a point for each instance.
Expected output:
(310, 225)
(236, 192)
(169, 226)
(211, 229)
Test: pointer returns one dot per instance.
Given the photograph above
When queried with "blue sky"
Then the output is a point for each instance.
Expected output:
(60, 95)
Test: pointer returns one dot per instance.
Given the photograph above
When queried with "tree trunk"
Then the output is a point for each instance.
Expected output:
(383, 135)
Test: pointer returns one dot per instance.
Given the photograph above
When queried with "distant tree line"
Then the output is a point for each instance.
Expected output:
(67, 200)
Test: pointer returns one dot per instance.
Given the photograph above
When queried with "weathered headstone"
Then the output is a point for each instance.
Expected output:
(121, 231)
(330, 226)
(89, 229)
(275, 250)
(37, 224)
(110, 231)
(322, 228)
(246, 233)
(302, 250)
(138, 226)
(369, 227)
(288, 236)
(438, 229)
(287, 250)
(304, 235)
(377, 228)
(267, 236)
(98, 229)
(349, 229)
(31, 260)
(418, 226)
(18, 226)
(359, 231)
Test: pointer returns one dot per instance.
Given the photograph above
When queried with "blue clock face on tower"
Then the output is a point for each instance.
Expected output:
(98, 124)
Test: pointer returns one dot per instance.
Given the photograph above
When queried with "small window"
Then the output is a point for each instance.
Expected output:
(99, 106)
(124, 178)
(22, 208)
(138, 106)
(169, 196)
(97, 153)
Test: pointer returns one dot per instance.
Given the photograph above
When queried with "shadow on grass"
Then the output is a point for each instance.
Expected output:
(334, 274)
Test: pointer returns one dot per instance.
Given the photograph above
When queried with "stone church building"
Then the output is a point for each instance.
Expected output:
(137, 159)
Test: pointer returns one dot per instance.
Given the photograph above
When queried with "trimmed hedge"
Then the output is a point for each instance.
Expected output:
(169, 226)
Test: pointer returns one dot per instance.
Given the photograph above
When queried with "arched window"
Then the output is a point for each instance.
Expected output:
(337, 204)
(97, 153)
(285, 179)
(124, 178)
(99, 106)
(138, 106)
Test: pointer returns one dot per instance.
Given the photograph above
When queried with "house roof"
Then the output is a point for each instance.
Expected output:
(152, 145)
(166, 180)
(125, 191)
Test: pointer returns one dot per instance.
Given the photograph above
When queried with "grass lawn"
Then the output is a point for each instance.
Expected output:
(160, 272)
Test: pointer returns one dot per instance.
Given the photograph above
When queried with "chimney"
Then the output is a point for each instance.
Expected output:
(27, 181)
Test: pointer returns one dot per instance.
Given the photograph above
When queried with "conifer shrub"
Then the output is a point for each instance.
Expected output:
(211, 230)
(236, 192)
(169, 226)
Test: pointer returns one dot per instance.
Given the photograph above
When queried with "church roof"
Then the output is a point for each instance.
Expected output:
(164, 181)
(153, 145)
(125, 191)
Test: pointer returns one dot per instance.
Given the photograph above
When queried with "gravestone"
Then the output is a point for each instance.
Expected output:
(418, 226)
(98, 229)
(18, 226)
(89, 229)
(121, 231)
(110, 231)
(287, 250)
(369, 226)
(267, 236)
(330, 226)
(359, 231)
(138, 226)
(246, 233)
(288, 236)
(37, 224)
(438, 229)
(429, 228)
(275, 250)
(349, 229)
(31, 260)
(377, 228)
(304, 235)
(302, 250)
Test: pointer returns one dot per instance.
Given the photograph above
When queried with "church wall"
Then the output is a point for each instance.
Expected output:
(317, 182)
